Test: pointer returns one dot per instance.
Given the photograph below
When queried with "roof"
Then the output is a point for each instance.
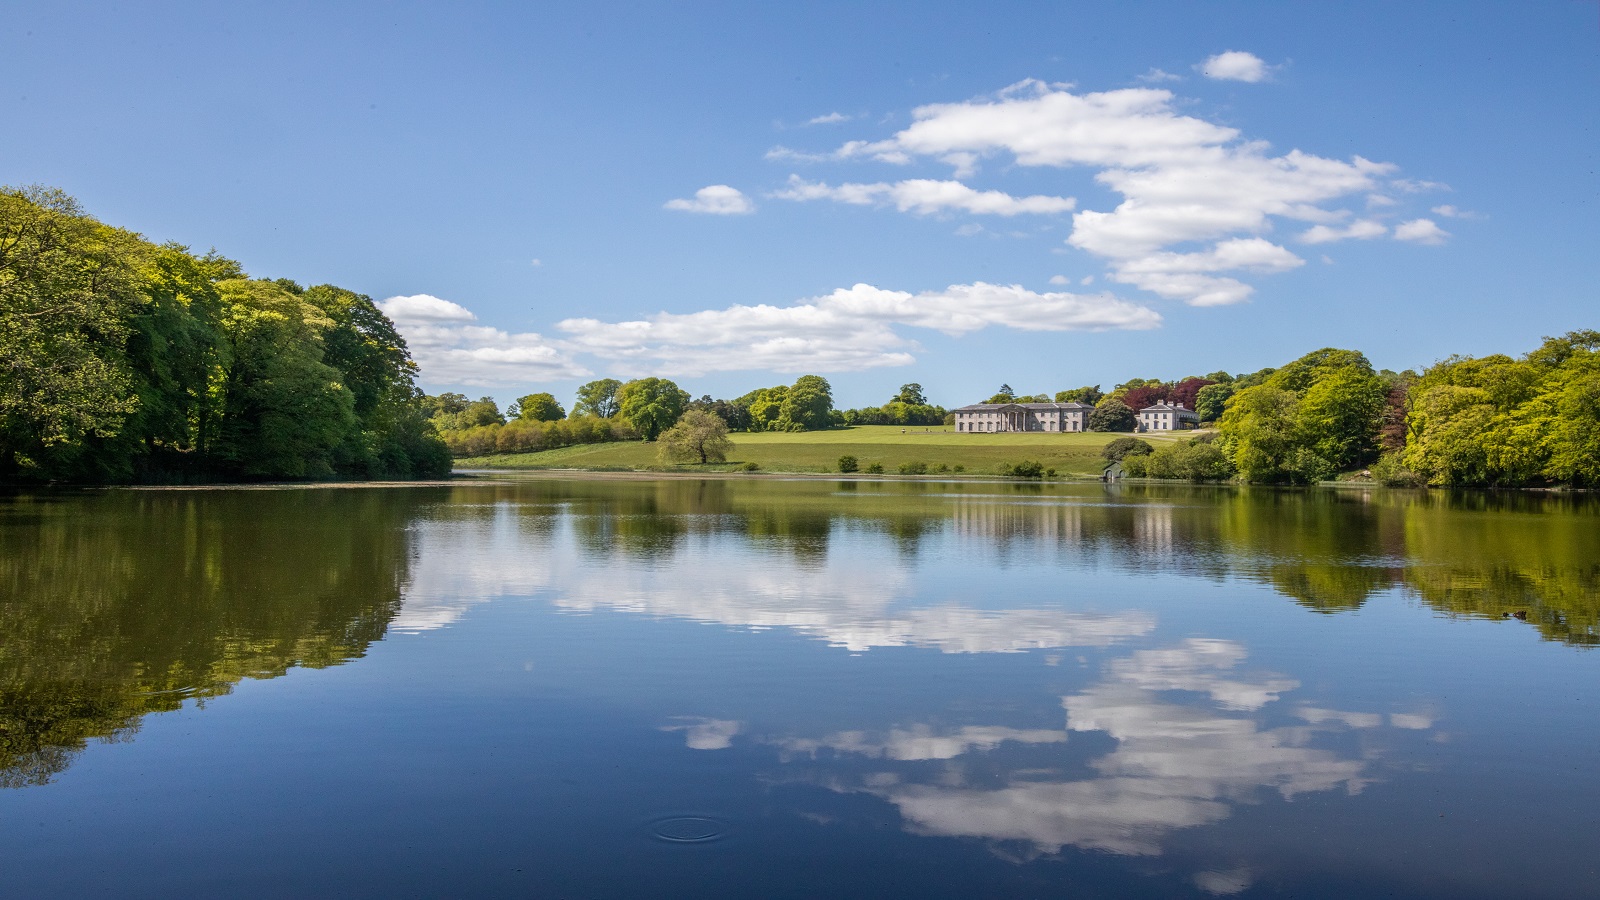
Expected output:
(989, 407)
(1167, 407)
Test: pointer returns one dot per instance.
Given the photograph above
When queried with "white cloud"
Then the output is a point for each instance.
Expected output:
(1361, 229)
(717, 200)
(449, 350)
(1455, 212)
(1060, 279)
(922, 742)
(705, 734)
(925, 197)
(847, 330)
(829, 119)
(1157, 76)
(1234, 65)
(1180, 275)
(1412, 186)
(536, 263)
(1421, 231)
(1184, 181)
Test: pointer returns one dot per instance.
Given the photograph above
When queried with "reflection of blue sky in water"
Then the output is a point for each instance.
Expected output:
(1175, 764)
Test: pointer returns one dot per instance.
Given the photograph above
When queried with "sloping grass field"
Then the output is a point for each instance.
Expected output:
(819, 451)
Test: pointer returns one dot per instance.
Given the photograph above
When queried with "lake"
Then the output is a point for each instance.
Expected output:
(763, 687)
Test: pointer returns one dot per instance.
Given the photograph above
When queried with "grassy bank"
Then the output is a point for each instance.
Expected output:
(819, 451)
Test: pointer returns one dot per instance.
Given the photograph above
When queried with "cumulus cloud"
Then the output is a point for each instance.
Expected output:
(1421, 231)
(716, 200)
(1361, 229)
(926, 197)
(1235, 65)
(1190, 187)
(1157, 76)
(449, 349)
(847, 330)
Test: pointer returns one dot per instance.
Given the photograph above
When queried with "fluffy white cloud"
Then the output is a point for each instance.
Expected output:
(1182, 275)
(448, 349)
(716, 200)
(846, 330)
(1361, 229)
(1190, 187)
(926, 197)
(1421, 231)
(1455, 212)
(1235, 65)
(829, 119)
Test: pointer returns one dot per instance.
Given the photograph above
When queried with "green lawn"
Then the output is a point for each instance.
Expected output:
(819, 451)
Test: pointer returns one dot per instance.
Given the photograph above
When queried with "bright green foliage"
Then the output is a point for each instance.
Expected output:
(1121, 448)
(1212, 400)
(698, 435)
(1028, 468)
(1192, 460)
(598, 398)
(541, 407)
(128, 361)
(911, 395)
(807, 405)
(1306, 421)
(848, 463)
(651, 405)
(1112, 415)
(1502, 421)
(1089, 394)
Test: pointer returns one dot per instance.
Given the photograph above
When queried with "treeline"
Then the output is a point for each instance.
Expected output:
(1496, 421)
(127, 361)
(612, 410)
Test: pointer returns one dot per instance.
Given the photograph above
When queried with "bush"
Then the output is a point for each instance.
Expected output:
(749, 467)
(1194, 460)
(875, 469)
(848, 464)
(1389, 471)
(1027, 468)
(1049, 473)
(1113, 415)
(939, 469)
(1124, 447)
(958, 468)
(913, 468)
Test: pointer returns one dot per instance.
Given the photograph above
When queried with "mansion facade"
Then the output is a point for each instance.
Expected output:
(993, 417)
(1167, 417)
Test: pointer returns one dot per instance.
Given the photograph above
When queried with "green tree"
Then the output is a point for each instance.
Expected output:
(1004, 395)
(1112, 415)
(911, 395)
(697, 435)
(1212, 400)
(807, 405)
(1089, 395)
(1339, 417)
(598, 398)
(1121, 448)
(651, 405)
(69, 287)
(541, 407)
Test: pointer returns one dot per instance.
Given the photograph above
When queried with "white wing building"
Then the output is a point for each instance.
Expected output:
(999, 417)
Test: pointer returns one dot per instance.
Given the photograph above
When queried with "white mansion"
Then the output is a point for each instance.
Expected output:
(1023, 417)
(1063, 417)
(1167, 417)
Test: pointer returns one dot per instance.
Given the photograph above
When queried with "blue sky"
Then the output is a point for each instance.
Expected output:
(1043, 194)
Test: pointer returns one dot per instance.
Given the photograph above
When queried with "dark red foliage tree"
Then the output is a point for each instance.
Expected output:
(1187, 390)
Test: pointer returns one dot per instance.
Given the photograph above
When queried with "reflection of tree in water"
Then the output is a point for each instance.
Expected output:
(119, 604)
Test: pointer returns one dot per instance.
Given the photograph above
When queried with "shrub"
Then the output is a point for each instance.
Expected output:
(1049, 473)
(913, 468)
(875, 469)
(749, 467)
(958, 468)
(848, 464)
(1124, 447)
(939, 469)
(1027, 468)
(1389, 471)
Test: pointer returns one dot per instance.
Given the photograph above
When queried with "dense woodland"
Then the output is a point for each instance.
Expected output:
(131, 361)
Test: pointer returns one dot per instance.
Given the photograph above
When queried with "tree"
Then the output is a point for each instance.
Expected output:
(1089, 394)
(698, 434)
(651, 405)
(1146, 395)
(1259, 437)
(1187, 392)
(1122, 448)
(1340, 415)
(911, 395)
(598, 398)
(1211, 400)
(1004, 395)
(68, 287)
(1112, 415)
(806, 405)
(541, 407)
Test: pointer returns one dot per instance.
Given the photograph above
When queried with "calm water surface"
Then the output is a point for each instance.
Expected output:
(769, 688)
